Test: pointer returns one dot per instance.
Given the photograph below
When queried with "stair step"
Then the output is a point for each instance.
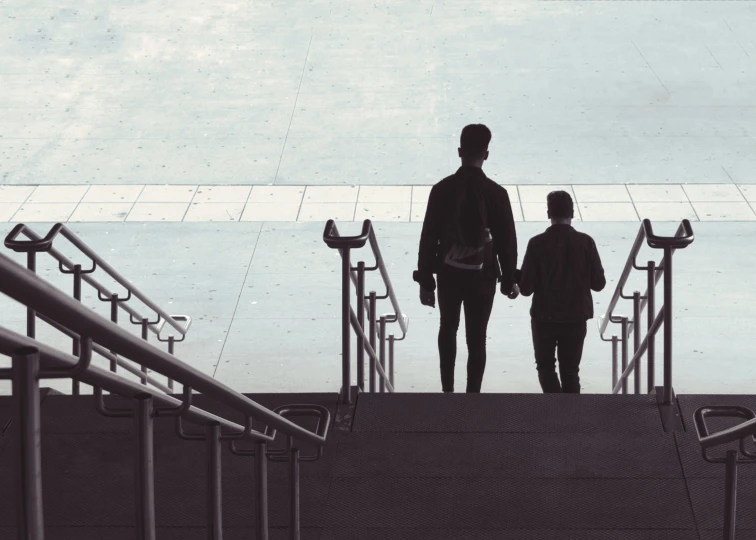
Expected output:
(507, 455)
(507, 413)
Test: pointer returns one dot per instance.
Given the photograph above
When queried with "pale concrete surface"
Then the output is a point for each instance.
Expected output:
(174, 203)
(265, 300)
(128, 97)
(345, 92)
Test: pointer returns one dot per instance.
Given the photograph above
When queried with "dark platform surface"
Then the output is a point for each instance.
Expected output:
(414, 466)
(508, 413)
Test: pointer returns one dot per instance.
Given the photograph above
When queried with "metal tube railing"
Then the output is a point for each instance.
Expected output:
(25, 430)
(344, 244)
(627, 370)
(38, 244)
(375, 364)
(731, 461)
(683, 237)
(102, 351)
(52, 358)
(26, 287)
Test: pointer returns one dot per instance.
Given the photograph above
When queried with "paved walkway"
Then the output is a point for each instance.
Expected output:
(200, 149)
(189, 203)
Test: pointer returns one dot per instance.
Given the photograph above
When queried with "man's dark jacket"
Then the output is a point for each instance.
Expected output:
(560, 268)
(436, 238)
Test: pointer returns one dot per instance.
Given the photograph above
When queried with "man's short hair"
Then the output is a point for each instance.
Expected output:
(474, 140)
(560, 205)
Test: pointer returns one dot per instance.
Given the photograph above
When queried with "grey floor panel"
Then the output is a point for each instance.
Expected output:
(511, 455)
(108, 501)
(502, 413)
(507, 534)
(163, 533)
(695, 466)
(508, 504)
(708, 495)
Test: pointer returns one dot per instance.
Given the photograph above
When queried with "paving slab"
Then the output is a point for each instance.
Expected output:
(329, 83)
(287, 269)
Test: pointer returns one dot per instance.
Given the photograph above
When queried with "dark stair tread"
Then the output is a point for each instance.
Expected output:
(511, 455)
(517, 503)
(708, 495)
(694, 465)
(507, 413)
(76, 501)
(510, 534)
(112, 454)
(163, 533)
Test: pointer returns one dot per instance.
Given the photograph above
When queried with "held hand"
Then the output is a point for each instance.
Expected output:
(427, 298)
(515, 292)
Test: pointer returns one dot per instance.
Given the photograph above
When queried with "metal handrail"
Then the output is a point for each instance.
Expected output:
(682, 238)
(740, 432)
(146, 379)
(351, 321)
(640, 352)
(38, 244)
(27, 288)
(51, 357)
(643, 234)
(371, 352)
(332, 238)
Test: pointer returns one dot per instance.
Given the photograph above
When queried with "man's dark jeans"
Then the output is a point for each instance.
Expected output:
(567, 340)
(477, 296)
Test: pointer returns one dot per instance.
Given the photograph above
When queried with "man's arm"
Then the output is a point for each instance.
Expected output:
(528, 271)
(598, 280)
(429, 239)
(505, 240)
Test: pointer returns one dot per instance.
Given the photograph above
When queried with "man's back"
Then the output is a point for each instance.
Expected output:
(437, 236)
(560, 269)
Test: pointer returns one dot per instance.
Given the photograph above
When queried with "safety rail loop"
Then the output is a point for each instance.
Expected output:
(740, 432)
(682, 238)
(377, 325)
(37, 244)
(26, 287)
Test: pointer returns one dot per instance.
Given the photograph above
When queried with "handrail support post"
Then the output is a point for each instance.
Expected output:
(731, 493)
(615, 376)
(75, 388)
(145, 468)
(637, 338)
(651, 313)
(294, 516)
(31, 315)
(214, 493)
(361, 321)
(382, 353)
(624, 352)
(372, 323)
(668, 325)
(391, 361)
(346, 269)
(261, 495)
(25, 428)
